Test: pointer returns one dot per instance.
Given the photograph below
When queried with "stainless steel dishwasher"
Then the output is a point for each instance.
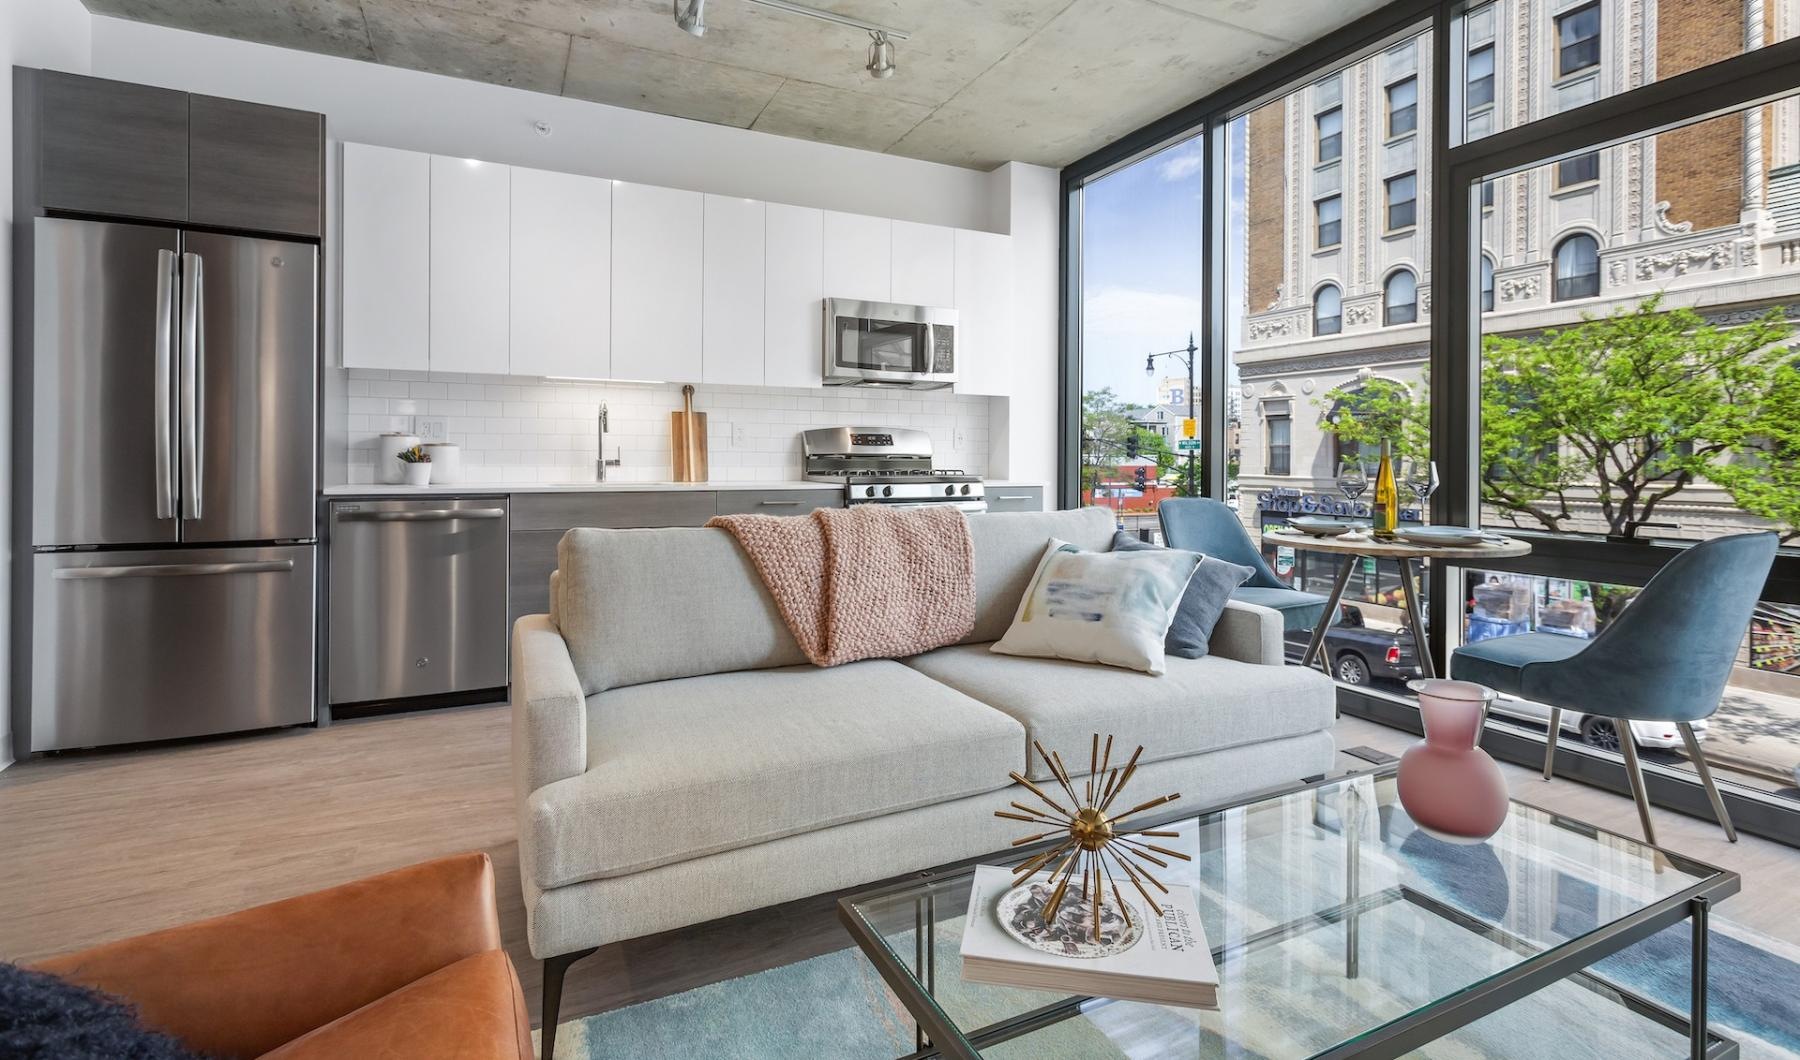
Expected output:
(417, 598)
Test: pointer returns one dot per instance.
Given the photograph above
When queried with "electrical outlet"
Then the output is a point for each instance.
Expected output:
(956, 440)
(433, 429)
(740, 435)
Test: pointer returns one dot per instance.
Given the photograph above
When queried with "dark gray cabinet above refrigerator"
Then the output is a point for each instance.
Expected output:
(116, 149)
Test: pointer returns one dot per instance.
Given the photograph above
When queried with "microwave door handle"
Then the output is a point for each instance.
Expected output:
(193, 361)
(163, 397)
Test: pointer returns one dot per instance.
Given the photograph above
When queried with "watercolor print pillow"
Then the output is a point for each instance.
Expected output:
(1100, 607)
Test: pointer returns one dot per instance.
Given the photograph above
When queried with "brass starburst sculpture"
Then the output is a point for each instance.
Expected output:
(1091, 837)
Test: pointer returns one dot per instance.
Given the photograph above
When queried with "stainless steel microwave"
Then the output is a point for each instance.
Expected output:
(906, 347)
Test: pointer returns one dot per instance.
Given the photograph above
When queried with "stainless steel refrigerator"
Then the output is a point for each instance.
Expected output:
(170, 449)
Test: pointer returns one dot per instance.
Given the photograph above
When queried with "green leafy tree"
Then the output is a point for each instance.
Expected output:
(1109, 436)
(1624, 412)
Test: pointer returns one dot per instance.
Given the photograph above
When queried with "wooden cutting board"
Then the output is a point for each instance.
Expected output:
(687, 438)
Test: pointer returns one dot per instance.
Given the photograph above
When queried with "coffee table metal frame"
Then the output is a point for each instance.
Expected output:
(937, 1036)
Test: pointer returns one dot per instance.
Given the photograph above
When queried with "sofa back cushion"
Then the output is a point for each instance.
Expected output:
(1008, 548)
(654, 605)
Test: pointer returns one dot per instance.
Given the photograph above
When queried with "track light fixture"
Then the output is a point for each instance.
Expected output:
(881, 56)
(692, 18)
(690, 15)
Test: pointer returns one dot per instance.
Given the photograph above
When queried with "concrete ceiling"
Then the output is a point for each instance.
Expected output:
(980, 82)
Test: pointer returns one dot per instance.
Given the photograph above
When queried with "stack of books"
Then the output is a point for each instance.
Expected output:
(1169, 964)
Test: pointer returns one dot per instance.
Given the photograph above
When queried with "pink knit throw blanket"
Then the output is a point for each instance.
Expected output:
(864, 582)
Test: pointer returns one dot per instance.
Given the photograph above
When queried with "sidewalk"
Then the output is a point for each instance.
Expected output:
(1758, 734)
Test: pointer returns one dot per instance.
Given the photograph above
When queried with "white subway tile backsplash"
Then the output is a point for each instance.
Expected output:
(519, 429)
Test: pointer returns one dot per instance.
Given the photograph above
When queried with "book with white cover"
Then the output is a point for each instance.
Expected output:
(1169, 963)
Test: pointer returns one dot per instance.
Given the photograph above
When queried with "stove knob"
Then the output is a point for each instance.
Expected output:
(949, 491)
(887, 491)
(965, 491)
(870, 492)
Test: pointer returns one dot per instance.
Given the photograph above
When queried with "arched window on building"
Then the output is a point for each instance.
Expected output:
(1400, 298)
(1328, 310)
(1577, 267)
(1487, 284)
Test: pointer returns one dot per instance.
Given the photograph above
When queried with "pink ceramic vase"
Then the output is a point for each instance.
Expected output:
(1448, 784)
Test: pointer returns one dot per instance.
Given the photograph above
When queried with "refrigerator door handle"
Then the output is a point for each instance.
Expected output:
(174, 570)
(193, 360)
(162, 400)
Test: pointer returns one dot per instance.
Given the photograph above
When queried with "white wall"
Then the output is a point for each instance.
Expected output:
(40, 33)
(1025, 444)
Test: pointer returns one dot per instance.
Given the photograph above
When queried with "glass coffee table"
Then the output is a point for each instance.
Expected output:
(1340, 929)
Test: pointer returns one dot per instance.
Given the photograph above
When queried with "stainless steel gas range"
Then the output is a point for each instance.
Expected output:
(887, 465)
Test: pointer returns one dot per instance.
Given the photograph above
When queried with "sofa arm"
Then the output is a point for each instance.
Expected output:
(549, 730)
(244, 983)
(1249, 633)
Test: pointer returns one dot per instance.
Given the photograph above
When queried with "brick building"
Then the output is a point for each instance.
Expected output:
(1336, 192)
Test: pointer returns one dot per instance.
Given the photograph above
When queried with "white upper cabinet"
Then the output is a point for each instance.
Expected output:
(561, 288)
(858, 257)
(471, 249)
(924, 265)
(657, 255)
(793, 296)
(984, 310)
(731, 292)
(386, 258)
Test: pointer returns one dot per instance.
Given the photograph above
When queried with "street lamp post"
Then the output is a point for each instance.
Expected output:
(1186, 356)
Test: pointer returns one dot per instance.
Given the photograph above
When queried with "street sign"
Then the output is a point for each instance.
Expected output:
(1187, 445)
(1188, 427)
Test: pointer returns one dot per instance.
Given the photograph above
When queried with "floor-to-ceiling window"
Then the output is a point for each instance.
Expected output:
(1140, 270)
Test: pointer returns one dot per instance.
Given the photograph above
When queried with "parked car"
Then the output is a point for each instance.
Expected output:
(1359, 653)
(1597, 731)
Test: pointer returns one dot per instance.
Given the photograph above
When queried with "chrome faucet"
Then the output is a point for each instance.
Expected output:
(600, 461)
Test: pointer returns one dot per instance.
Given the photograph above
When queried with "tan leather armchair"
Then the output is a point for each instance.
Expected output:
(405, 964)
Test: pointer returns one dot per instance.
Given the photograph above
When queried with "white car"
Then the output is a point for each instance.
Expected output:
(1596, 730)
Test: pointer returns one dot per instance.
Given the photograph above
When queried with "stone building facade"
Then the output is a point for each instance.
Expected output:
(1336, 253)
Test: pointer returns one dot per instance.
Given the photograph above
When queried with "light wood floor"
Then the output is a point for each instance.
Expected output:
(102, 846)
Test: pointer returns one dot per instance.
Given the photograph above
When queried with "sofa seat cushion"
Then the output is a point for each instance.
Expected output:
(682, 769)
(1197, 705)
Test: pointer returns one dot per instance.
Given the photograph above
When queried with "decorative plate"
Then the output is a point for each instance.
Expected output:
(1021, 913)
(1320, 526)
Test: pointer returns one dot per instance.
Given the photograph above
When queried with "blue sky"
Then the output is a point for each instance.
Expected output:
(1141, 265)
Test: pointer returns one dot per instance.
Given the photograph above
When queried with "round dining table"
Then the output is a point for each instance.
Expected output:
(1407, 555)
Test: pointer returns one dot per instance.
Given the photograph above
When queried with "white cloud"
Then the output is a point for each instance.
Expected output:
(1180, 166)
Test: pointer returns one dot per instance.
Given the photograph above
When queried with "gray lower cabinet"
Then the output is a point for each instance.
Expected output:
(1015, 498)
(778, 502)
(528, 583)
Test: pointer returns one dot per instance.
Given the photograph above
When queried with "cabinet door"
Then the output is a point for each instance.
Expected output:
(387, 258)
(924, 264)
(112, 148)
(731, 294)
(656, 250)
(858, 257)
(984, 308)
(255, 167)
(561, 290)
(471, 248)
(793, 295)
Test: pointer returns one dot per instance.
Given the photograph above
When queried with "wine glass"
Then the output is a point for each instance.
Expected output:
(1352, 479)
(1422, 479)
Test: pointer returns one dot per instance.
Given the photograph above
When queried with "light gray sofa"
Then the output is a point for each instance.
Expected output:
(677, 760)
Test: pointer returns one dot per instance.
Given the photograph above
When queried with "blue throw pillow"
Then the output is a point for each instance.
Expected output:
(1202, 603)
(46, 1018)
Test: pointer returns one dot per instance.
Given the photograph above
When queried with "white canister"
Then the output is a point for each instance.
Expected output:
(388, 448)
(446, 462)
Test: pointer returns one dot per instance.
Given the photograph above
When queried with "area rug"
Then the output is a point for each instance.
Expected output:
(836, 1006)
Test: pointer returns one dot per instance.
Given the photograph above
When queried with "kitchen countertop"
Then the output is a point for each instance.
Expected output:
(380, 489)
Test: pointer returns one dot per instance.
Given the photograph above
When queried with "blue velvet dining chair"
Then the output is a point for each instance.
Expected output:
(1665, 658)
(1200, 524)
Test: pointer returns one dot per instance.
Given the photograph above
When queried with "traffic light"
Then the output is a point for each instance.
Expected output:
(1139, 472)
(1131, 446)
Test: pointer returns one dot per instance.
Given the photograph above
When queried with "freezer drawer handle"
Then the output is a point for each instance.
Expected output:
(175, 570)
(162, 399)
(433, 515)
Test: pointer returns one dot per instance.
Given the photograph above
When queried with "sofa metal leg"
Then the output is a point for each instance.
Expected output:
(1635, 774)
(554, 969)
(1550, 742)
(1706, 780)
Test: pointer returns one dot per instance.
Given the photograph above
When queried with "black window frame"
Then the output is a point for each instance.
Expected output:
(1585, 284)
(1336, 223)
(1320, 138)
(1582, 54)
(1409, 217)
(1394, 314)
(1285, 465)
(1336, 319)
(1456, 167)
(1478, 91)
(1406, 112)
